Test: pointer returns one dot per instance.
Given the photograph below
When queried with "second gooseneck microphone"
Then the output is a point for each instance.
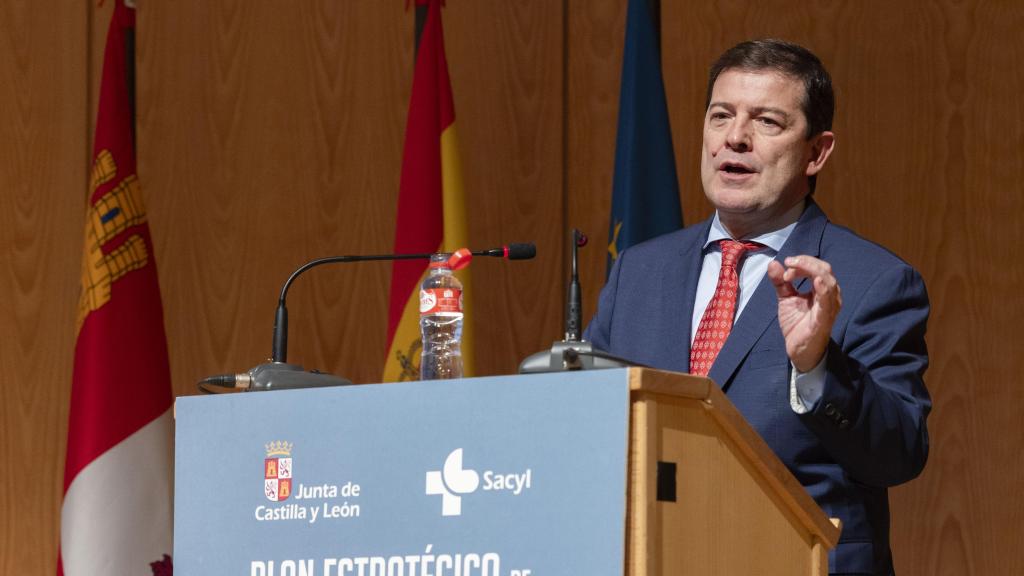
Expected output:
(574, 300)
(572, 353)
(278, 374)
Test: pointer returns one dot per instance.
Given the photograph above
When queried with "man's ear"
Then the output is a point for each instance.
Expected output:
(821, 148)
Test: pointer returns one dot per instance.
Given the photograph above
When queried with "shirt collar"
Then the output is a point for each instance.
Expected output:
(774, 239)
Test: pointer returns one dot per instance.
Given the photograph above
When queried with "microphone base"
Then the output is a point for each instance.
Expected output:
(282, 376)
(568, 355)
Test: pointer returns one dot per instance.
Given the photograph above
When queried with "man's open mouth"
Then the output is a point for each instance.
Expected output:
(733, 168)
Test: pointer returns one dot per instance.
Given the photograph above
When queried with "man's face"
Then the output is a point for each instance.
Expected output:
(756, 157)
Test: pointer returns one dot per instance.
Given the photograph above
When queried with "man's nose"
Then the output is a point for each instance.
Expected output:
(738, 136)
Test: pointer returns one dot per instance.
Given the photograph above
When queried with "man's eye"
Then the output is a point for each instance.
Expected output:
(770, 122)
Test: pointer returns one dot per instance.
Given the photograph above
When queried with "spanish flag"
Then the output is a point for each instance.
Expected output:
(431, 208)
(118, 472)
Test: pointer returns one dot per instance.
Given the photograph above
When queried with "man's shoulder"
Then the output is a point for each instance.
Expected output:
(842, 244)
(669, 243)
(865, 267)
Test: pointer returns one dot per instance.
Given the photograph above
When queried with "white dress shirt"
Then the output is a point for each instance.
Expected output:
(805, 387)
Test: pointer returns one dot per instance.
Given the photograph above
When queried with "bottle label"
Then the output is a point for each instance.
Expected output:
(440, 302)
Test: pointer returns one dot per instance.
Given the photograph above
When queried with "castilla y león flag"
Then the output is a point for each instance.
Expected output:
(116, 515)
(431, 207)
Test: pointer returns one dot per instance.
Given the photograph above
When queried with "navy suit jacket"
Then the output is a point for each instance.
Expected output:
(866, 433)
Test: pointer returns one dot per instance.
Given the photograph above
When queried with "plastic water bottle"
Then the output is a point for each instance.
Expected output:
(441, 322)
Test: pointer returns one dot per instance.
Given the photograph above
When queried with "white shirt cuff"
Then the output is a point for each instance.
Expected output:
(805, 388)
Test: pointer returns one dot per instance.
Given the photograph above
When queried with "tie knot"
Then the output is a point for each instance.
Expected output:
(733, 250)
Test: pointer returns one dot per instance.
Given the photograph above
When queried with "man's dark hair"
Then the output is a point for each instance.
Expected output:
(796, 61)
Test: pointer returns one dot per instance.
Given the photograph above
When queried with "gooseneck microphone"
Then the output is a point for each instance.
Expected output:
(574, 300)
(278, 374)
(279, 350)
(572, 353)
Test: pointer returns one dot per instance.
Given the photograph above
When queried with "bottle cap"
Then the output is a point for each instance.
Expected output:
(460, 259)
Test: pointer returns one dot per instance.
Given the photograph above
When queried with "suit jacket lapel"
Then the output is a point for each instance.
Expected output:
(684, 274)
(762, 309)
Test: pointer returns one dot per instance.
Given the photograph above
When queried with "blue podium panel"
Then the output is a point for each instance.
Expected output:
(516, 475)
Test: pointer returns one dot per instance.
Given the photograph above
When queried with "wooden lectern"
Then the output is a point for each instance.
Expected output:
(603, 472)
(736, 508)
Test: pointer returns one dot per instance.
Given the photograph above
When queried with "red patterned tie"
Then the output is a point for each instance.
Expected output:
(716, 323)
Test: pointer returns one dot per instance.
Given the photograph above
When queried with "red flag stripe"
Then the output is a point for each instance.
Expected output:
(420, 221)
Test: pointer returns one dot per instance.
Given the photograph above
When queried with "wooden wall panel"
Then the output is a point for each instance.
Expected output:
(43, 91)
(506, 68)
(596, 34)
(270, 135)
(968, 200)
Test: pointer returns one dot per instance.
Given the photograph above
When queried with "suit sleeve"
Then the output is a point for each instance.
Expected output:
(872, 414)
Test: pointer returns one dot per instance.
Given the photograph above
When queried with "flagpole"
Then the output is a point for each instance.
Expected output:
(421, 21)
(654, 8)
(129, 73)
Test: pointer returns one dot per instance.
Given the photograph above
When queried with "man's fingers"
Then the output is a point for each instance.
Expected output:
(824, 286)
(827, 293)
(823, 282)
(806, 267)
(777, 274)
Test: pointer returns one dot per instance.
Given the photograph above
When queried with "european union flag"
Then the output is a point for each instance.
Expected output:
(645, 193)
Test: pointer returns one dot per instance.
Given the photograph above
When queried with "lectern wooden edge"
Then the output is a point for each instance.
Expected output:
(732, 506)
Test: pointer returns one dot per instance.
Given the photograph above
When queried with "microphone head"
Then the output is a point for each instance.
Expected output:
(521, 251)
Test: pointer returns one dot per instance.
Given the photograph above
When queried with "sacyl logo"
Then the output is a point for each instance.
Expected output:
(451, 482)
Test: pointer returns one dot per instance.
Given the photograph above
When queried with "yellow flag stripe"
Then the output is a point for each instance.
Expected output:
(456, 234)
(403, 359)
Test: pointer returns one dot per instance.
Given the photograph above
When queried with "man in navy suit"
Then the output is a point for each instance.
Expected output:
(824, 347)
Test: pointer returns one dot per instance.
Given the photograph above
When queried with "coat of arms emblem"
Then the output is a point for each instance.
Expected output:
(277, 471)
